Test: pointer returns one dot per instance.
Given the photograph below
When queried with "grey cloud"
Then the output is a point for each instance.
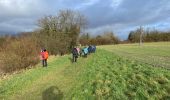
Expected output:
(127, 16)
(128, 12)
(119, 16)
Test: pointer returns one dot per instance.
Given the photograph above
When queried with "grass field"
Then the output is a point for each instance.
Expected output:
(104, 75)
(156, 54)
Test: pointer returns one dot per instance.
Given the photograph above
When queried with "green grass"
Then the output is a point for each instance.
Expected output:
(156, 54)
(111, 77)
(102, 75)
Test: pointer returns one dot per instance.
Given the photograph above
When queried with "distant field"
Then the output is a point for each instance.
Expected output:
(156, 54)
(100, 76)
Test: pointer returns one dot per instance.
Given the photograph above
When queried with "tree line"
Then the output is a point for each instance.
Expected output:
(148, 35)
(105, 38)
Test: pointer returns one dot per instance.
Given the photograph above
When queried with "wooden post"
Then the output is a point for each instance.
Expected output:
(141, 33)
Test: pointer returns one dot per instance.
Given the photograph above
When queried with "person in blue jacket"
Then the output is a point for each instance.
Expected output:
(85, 51)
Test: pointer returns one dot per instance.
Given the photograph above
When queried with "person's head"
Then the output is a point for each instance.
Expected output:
(45, 50)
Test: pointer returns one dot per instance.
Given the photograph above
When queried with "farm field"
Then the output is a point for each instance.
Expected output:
(157, 54)
(104, 75)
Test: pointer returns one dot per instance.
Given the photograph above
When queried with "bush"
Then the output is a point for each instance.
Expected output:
(19, 54)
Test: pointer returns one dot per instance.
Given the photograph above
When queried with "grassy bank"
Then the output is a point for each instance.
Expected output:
(102, 75)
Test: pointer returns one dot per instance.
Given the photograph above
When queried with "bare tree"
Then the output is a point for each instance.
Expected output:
(63, 29)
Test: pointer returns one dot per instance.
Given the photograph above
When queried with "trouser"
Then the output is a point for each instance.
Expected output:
(80, 54)
(44, 62)
(75, 58)
(85, 55)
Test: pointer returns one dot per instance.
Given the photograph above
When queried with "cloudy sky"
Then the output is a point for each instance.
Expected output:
(119, 16)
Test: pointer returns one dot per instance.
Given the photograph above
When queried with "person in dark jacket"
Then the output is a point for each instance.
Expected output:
(89, 49)
(75, 54)
(93, 49)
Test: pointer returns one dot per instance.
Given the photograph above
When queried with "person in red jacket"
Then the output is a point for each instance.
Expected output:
(44, 57)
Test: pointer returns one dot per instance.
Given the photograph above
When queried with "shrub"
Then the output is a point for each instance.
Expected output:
(19, 54)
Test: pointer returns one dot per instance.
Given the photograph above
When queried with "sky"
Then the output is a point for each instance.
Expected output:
(118, 16)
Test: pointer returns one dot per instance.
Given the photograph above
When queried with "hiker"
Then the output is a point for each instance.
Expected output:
(93, 49)
(80, 53)
(75, 54)
(85, 51)
(78, 50)
(90, 49)
(44, 57)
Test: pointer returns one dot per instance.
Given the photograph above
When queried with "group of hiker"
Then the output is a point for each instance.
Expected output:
(76, 52)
